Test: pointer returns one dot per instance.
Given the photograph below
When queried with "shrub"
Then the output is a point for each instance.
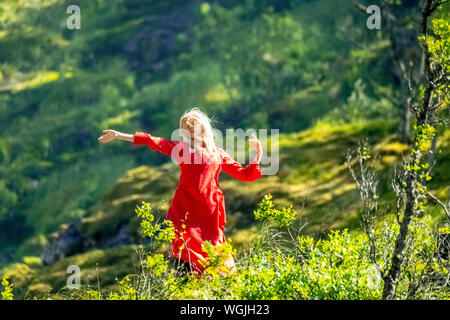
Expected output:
(6, 294)
(336, 267)
(266, 212)
(126, 291)
(217, 257)
(161, 232)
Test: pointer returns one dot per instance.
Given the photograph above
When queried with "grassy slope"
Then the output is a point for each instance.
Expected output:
(313, 177)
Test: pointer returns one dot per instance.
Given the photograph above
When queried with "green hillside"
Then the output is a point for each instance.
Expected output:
(310, 68)
(138, 66)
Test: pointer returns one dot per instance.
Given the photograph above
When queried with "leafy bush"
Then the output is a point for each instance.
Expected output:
(276, 266)
(337, 268)
(266, 211)
(6, 293)
(163, 231)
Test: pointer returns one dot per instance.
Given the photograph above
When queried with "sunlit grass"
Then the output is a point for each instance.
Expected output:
(29, 81)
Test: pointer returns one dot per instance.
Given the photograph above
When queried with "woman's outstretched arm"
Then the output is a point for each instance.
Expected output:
(248, 173)
(140, 138)
(110, 135)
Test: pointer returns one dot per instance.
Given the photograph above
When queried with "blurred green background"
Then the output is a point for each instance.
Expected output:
(310, 68)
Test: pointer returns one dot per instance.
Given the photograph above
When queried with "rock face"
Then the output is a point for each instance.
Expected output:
(59, 246)
(70, 241)
(121, 238)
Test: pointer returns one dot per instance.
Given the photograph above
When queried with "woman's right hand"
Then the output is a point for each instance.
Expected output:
(109, 135)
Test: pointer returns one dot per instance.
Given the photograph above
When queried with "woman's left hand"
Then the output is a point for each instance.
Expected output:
(256, 144)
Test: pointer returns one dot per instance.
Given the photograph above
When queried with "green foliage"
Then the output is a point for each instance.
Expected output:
(157, 264)
(360, 106)
(425, 135)
(249, 63)
(445, 230)
(6, 293)
(93, 295)
(338, 268)
(216, 261)
(126, 291)
(32, 260)
(283, 62)
(162, 232)
(266, 212)
(335, 267)
(419, 165)
(439, 49)
(423, 274)
(268, 277)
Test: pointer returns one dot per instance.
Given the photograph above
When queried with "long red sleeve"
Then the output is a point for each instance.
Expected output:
(249, 173)
(155, 143)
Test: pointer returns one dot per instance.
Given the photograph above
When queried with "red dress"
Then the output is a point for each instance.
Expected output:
(197, 209)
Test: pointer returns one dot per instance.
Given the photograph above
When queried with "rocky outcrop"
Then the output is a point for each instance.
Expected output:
(62, 244)
(69, 241)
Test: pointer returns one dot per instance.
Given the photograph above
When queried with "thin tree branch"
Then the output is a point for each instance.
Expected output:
(445, 207)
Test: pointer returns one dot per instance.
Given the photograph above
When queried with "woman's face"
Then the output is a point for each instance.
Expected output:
(188, 124)
(193, 126)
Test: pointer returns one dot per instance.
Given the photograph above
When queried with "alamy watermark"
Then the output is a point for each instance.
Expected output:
(235, 143)
(374, 20)
(74, 280)
(74, 20)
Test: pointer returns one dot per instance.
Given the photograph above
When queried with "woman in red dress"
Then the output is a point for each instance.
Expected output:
(197, 209)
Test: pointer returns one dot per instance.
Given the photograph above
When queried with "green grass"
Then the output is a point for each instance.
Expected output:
(98, 268)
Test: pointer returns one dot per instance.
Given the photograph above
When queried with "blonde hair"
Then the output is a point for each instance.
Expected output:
(196, 130)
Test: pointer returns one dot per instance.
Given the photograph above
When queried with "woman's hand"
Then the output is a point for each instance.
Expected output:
(109, 135)
(256, 144)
